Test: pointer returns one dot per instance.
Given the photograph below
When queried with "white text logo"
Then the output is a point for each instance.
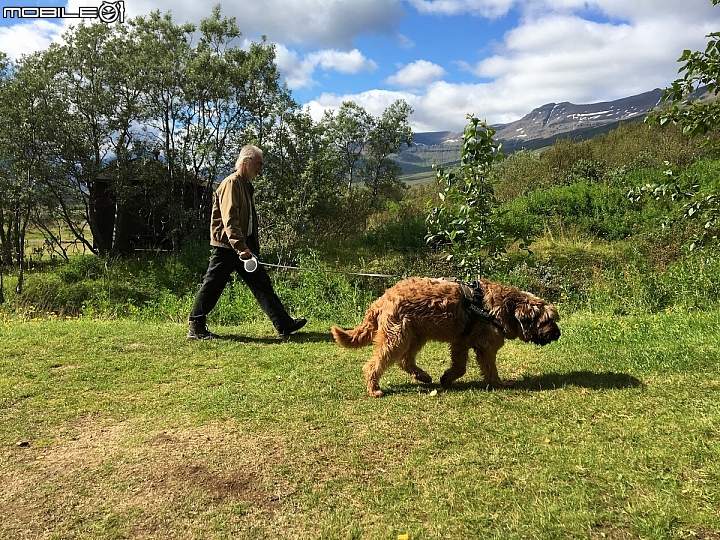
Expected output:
(108, 12)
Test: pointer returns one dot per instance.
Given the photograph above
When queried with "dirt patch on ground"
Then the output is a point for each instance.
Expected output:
(106, 476)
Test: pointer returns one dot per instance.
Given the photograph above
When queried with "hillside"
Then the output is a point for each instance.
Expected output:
(565, 119)
(538, 129)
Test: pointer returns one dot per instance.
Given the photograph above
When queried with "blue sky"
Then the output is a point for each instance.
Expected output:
(497, 59)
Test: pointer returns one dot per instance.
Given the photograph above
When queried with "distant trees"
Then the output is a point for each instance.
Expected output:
(129, 124)
(31, 114)
(388, 134)
(118, 120)
(325, 178)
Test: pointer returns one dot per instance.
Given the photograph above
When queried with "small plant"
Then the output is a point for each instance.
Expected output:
(466, 225)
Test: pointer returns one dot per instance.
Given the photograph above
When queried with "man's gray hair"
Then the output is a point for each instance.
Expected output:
(249, 151)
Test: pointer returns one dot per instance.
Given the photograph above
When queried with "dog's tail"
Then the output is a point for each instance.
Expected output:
(361, 335)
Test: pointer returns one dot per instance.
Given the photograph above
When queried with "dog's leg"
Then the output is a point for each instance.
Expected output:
(387, 351)
(458, 364)
(487, 362)
(407, 363)
(372, 378)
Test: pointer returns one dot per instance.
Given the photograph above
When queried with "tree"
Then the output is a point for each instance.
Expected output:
(31, 117)
(91, 71)
(695, 203)
(150, 123)
(465, 224)
(5, 245)
(140, 124)
(348, 132)
(702, 69)
(234, 98)
(386, 137)
(359, 149)
(161, 71)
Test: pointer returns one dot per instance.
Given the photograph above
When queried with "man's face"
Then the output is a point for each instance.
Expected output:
(255, 166)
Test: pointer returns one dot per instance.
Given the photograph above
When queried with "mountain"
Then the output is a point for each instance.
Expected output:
(538, 129)
(555, 119)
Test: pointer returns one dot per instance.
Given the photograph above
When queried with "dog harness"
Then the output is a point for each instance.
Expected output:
(473, 305)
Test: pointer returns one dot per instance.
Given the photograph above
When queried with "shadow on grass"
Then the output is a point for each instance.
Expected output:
(300, 337)
(583, 379)
(541, 383)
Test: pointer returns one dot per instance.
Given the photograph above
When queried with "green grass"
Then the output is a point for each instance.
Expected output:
(130, 431)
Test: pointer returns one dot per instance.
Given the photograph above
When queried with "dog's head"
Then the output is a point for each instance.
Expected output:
(538, 320)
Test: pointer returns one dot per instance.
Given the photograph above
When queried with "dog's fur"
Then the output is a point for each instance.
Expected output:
(417, 310)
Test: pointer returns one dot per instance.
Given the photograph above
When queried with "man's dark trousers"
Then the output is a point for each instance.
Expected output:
(223, 263)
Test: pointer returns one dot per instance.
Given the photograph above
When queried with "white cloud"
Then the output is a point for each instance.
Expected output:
(634, 11)
(343, 62)
(481, 8)
(557, 55)
(442, 107)
(562, 58)
(558, 50)
(418, 73)
(28, 37)
(373, 101)
(298, 73)
(631, 10)
(324, 24)
(309, 23)
(405, 42)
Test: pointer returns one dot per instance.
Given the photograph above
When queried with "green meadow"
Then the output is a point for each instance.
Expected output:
(124, 429)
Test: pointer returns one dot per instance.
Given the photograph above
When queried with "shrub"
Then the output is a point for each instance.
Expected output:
(401, 227)
(694, 280)
(519, 174)
(596, 209)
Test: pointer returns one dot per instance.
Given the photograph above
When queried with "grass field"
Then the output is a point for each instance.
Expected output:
(121, 429)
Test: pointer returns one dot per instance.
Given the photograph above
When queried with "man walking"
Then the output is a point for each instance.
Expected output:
(234, 238)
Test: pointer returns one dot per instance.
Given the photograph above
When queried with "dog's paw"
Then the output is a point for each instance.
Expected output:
(422, 377)
(375, 393)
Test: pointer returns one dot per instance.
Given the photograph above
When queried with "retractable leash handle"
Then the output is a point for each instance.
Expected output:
(250, 264)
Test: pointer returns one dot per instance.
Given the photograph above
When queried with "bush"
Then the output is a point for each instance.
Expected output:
(401, 228)
(602, 210)
(694, 281)
(519, 174)
(595, 249)
(632, 146)
(82, 267)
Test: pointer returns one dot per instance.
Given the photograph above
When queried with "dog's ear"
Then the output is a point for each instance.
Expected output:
(526, 314)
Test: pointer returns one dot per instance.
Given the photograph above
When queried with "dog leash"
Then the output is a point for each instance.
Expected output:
(285, 267)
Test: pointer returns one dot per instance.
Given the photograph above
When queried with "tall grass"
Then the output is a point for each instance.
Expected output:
(577, 272)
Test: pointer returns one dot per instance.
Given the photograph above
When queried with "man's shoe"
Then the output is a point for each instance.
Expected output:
(199, 331)
(294, 327)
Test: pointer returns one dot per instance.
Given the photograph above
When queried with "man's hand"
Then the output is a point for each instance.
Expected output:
(245, 254)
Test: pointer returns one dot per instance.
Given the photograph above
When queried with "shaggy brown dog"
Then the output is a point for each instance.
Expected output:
(417, 310)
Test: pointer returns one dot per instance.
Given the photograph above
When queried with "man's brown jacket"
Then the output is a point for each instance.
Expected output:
(233, 222)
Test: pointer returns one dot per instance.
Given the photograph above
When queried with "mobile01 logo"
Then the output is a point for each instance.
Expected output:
(108, 12)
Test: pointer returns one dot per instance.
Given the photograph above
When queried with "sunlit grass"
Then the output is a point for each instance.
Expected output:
(129, 430)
